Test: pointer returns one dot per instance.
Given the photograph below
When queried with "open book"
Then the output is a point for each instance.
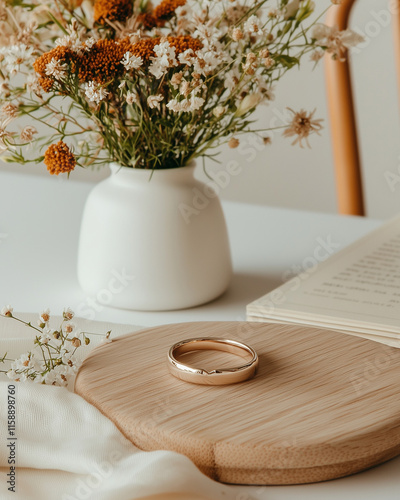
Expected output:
(356, 291)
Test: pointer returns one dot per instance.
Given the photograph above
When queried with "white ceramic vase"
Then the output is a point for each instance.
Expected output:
(153, 241)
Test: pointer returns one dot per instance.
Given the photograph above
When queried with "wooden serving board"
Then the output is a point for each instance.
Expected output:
(323, 404)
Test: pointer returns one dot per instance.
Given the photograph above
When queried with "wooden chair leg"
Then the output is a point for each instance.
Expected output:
(343, 122)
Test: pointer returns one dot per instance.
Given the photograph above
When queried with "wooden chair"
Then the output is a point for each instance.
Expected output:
(342, 116)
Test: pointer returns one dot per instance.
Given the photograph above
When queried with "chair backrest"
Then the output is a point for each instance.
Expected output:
(342, 114)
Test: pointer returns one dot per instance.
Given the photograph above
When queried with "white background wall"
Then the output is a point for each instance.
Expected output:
(287, 176)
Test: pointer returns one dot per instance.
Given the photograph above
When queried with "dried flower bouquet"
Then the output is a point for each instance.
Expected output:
(148, 86)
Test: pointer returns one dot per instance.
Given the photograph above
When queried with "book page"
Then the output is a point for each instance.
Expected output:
(359, 285)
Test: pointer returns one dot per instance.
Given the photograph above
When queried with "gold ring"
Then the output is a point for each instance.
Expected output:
(220, 376)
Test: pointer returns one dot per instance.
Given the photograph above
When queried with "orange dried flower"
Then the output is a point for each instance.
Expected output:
(182, 43)
(145, 48)
(60, 53)
(59, 159)
(147, 20)
(113, 10)
(46, 83)
(103, 61)
(166, 9)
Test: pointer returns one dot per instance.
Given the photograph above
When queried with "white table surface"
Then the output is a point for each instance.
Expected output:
(39, 227)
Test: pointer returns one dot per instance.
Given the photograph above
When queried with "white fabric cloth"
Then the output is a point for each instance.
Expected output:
(67, 450)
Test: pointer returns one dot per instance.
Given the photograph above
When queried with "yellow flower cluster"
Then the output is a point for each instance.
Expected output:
(113, 10)
(59, 159)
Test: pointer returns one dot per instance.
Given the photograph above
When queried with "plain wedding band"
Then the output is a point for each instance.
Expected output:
(219, 376)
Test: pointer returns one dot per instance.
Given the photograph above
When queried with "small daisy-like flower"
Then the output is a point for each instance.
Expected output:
(68, 314)
(176, 79)
(69, 327)
(132, 97)
(233, 142)
(45, 316)
(317, 55)
(237, 34)
(33, 84)
(336, 42)
(56, 69)
(45, 338)
(219, 111)
(27, 133)
(10, 110)
(16, 56)
(154, 101)
(302, 125)
(131, 62)
(253, 25)
(95, 93)
(76, 342)
(7, 311)
(59, 159)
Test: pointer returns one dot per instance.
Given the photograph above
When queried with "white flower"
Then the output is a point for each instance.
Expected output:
(12, 375)
(45, 316)
(335, 41)
(32, 84)
(218, 111)
(237, 34)
(9, 109)
(7, 311)
(132, 97)
(207, 60)
(69, 328)
(187, 57)
(15, 56)
(253, 25)
(68, 313)
(94, 92)
(4, 134)
(174, 105)
(56, 69)
(131, 62)
(232, 78)
(27, 133)
(165, 58)
(154, 101)
(196, 102)
(89, 43)
(24, 362)
(208, 35)
(45, 338)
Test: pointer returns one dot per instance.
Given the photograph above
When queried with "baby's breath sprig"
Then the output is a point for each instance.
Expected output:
(53, 359)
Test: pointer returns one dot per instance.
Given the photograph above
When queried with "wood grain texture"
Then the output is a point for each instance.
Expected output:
(323, 404)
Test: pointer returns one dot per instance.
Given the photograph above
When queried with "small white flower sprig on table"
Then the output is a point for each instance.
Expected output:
(53, 359)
